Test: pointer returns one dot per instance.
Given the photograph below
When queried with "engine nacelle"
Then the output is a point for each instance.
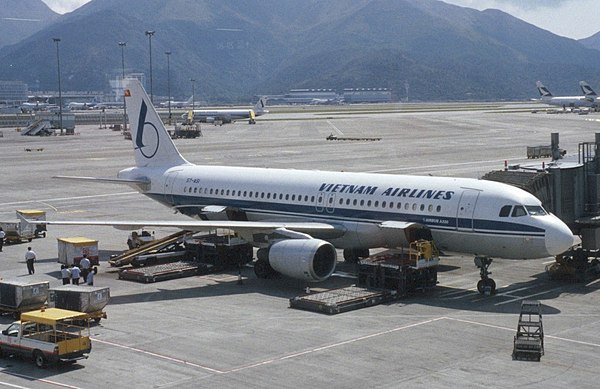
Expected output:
(303, 259)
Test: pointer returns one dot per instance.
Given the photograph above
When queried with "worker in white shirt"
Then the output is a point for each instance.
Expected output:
(30, 259)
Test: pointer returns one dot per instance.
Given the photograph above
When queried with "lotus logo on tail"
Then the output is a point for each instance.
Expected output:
(146, 141)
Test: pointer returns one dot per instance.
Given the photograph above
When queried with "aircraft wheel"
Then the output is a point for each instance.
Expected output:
(482, 285)
(263, 269)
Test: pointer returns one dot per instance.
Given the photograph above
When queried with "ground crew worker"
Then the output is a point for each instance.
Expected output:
(65, 273)
(75, 274)
(2, 236)
(30, 259)
(90, 277)
(84, 265)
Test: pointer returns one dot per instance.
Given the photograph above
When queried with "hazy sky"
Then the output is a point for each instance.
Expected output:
(571, 18)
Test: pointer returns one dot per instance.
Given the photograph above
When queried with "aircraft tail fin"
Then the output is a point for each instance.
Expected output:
(259, 108)
(151, 142)
(544, 92)
(587, 90)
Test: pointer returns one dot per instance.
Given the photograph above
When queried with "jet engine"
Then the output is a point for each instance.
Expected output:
(303, 259)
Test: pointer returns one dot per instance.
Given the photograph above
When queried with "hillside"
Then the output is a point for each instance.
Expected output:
(21, 18)
(238, 49)
(592, 42)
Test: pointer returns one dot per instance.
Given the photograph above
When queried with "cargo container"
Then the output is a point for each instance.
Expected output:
(25, 227)
(71, 250)
(87, 299)
(22, 296)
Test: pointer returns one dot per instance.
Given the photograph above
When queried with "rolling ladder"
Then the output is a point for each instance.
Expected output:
(529, 340)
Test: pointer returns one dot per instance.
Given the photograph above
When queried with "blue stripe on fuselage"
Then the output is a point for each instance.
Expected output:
(340, 214)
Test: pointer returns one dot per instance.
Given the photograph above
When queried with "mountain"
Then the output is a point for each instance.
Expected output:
(21, 18)
(237, 49)
(592, 42)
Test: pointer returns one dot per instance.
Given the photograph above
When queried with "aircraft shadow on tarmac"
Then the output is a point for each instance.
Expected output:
(507, 299)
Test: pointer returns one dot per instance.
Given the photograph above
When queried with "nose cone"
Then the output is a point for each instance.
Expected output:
(559, 238)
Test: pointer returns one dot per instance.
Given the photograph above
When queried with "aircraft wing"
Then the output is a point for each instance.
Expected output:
(109, 180)
(311, 228)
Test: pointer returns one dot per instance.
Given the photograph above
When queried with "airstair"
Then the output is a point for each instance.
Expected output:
(36, 127)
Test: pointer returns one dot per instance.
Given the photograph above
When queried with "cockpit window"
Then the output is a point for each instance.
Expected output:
(535, 210)
(505, 211)
(519, 210)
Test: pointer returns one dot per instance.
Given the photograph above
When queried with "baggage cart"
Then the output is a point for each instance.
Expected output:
(90, 300)
(18, 296)
(71, 250)
(25, 227)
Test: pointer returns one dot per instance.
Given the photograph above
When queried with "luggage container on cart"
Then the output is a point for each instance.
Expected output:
(71, 250)
(90, 300)
(18, 296)
(25, 227)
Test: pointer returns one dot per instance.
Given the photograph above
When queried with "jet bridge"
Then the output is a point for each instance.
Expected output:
(569, 187)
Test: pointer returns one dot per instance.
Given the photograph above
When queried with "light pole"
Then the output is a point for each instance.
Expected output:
(168, 53)
(193, 93)
(122, 45)
(60, 116)
(149, 34)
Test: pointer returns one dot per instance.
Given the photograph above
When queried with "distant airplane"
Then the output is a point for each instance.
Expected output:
(178, 104)
(319, 101)
(563, 101)
(297, 218)
(223, 116)
(74, 105)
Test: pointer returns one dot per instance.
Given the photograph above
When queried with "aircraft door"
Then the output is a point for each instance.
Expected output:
(320, 202)
(466, 208)
(330, 203)
(170, 187)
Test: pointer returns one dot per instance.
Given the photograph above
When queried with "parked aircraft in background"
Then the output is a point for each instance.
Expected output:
(563, 101)
(297, 218)
(178, 104)
(76, 106)
(224, 116)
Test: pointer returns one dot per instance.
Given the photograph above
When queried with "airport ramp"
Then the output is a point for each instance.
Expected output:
(37, 127)
(156, 246)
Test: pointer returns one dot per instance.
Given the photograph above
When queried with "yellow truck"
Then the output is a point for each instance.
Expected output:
(48, 335)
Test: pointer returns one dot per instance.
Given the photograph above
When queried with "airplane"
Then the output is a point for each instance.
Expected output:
(177, 104)
(298, 218)
(223, 116)
(564, 101)
(74, 105)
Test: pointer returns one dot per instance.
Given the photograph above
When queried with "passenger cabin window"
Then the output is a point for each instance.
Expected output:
(518, 211)
(505, 211)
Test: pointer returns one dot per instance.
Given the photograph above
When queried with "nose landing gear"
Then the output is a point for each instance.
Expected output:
(486, 285)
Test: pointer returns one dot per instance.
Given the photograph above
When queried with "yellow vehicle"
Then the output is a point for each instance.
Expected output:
(48, 335)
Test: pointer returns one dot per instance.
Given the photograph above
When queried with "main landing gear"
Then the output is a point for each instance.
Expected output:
(486, 285)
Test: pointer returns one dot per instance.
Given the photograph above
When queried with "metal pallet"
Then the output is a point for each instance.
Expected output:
(341, 300)
(163, 272)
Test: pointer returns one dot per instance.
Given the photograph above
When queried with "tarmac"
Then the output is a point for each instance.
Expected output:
(210, 331)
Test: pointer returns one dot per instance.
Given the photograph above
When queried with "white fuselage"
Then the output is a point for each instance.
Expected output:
(462, 214)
